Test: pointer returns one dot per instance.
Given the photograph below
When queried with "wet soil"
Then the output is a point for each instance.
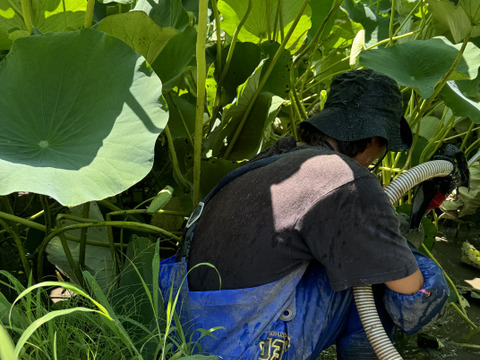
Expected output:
(446, 337)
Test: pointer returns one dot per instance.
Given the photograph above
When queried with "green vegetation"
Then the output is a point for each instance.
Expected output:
(118, 116)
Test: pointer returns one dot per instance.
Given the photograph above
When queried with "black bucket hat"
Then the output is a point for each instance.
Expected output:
(363, 104)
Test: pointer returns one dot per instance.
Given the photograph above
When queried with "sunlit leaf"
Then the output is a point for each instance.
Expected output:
(422, 63)
(7, 350)
(459, 103)
(357, 47)
(139, 31)
(472, 10)
(260, 24)
(450, 16)
(85, 126)
(47, 16)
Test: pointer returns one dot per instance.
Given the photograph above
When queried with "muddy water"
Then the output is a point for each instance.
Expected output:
(445, 338)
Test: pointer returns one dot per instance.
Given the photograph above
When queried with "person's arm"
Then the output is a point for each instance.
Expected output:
(411, 312)
(408, 285)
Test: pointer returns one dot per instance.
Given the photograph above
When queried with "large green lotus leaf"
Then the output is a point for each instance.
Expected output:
(165, 13)
(175, 57)
(80, 116)
(459, 103)
(261, 20)
(47, 16)
(421, 63)
(139, 31)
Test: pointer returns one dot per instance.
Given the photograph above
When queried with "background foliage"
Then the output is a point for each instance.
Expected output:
(118, 116)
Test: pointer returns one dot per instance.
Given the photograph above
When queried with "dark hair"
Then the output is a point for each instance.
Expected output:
(312, 136)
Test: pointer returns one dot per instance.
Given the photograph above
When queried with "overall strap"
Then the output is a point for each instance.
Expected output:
(184, 248)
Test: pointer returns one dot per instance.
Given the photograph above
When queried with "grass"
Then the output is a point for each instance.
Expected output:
(126, 321)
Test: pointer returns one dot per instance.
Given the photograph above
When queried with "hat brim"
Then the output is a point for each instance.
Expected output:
(347, 125)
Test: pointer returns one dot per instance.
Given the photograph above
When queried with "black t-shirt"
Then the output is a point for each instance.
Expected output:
(311, 205)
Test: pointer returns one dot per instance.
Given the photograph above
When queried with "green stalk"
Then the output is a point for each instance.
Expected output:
(410, 14)
(218, 31)
(89, 13)
(264, 80)
(173, 156)
(46, 213)
(21, 249)
(201, 79)
(71, 261)
(42, 228)
(390, 25)
(113, 250)
(83, 237)
(27, 14)
(313, 44)
(267, 16)
(463, 316)
(228, 60)
(467, 136)
(8, 207)
(449, 280)
(122, 224)
(393, 38)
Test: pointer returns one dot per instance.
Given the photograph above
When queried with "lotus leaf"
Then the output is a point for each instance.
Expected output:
(459, 103)
(47, 16)
(422, 63)
(138, 31)
(80, 116)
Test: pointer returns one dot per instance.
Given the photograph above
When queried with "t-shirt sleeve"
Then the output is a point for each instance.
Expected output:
(354, 232)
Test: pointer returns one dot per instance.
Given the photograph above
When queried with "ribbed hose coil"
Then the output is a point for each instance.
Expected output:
(364, 300)
(415, 176)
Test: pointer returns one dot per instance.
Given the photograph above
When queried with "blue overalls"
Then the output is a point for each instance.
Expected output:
(295, 317)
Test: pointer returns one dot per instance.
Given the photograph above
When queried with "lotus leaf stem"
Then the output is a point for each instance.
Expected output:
(201, 79)
(83, 236)
(68, 254)
(224, 71)
(89, 13)
(449, 280)
(27, 14)
(174, 158)
(19, 244)
(391, 22)
(463, 316)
